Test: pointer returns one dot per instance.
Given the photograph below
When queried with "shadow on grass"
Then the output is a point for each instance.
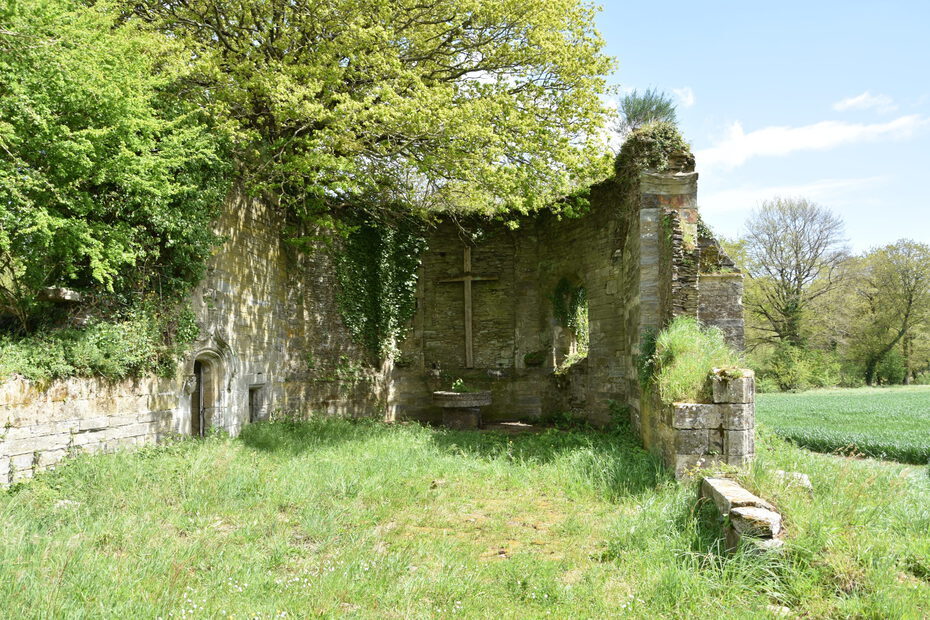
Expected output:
(614, 462)
(296, 437)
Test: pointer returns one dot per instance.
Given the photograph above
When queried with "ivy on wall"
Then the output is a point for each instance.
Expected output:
(570, 307)
(377, 270)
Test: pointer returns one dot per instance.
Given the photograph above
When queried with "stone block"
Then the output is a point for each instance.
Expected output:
(738, 442)
(38, 443)
(4, 470)
(21, 462)
(738, 460)
(734, 390)
(51, 457)
(695, 416)
(694, 442)
(738, 416)
(94, 424)
(755, 522)
(728, 494)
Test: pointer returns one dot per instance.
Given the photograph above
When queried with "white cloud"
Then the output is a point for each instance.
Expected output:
(685, 96)
(866, 101)
(738, 146)
(829, 192)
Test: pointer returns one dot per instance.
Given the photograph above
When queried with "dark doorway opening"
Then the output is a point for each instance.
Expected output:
(255, 403)
(197, 401)
(204, 397)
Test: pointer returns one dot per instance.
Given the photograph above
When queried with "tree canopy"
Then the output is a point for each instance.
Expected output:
(108, 178)
(478, 105)
(794, 249)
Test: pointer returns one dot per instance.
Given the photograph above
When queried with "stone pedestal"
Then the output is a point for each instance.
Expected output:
(461, 410)
(461, 418)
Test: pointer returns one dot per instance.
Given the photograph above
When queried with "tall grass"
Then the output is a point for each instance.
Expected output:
(679, 359)
(336, 518)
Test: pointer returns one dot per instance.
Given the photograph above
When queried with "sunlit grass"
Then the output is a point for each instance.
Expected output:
(362, 519)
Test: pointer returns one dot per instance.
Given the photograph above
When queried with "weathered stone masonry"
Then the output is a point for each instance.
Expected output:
(272, 337)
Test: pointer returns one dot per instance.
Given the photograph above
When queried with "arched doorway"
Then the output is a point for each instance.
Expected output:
(205, 395)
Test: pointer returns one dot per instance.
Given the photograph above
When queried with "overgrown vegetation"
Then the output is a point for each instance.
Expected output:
(678, 360)
(889, 423)
(570, 308)
(478, 106)
(110, 176)
(338, 518)
(122, 120)
(649, 148)
(145, 341)
(376, 264)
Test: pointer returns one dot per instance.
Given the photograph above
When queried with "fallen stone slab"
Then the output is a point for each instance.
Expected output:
(756, 522)
(728, 494)
(794, 478)
(746, 517)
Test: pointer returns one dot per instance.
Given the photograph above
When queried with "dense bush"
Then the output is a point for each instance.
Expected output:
(891, 370)
(142, 342)
(791, 368)
(678, 360)
(109, 179)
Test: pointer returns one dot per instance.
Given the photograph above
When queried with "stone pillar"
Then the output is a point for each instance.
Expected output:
(698, 435)
(720, 304)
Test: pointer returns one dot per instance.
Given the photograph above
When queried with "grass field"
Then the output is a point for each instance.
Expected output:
(359, 519)
(889, 423)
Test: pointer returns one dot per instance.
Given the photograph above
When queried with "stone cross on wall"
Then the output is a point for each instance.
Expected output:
(467, 278)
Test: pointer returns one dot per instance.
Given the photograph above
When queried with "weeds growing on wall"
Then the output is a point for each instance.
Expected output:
(649, 148)
(377, 269)
(570, 307)
(142, 341)
(678, 360)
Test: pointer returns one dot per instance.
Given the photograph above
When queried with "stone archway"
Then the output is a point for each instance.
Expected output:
(206, 397)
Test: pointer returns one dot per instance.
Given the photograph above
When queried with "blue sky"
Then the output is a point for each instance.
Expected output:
(821, 99)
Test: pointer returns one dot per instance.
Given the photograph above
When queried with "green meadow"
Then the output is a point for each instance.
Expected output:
(360, 519)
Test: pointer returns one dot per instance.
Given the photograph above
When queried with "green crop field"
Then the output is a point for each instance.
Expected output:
(889, 423)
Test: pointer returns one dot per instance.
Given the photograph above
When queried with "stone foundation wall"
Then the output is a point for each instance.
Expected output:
(692, 435)
(42, 424)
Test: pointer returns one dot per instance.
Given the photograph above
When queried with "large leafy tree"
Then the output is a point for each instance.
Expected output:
(108, 179)
(480, 105)
(893, 289)
(794, 254)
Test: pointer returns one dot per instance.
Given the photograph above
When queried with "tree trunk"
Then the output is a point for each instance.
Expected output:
(870, 371)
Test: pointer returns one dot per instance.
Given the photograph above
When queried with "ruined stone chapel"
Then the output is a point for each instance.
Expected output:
(489, 312)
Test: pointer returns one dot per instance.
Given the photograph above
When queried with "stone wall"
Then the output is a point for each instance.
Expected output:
(721, 305)
(40, 425)
(273, 341)
(692, 435)
(517, 339)
(270, 335)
